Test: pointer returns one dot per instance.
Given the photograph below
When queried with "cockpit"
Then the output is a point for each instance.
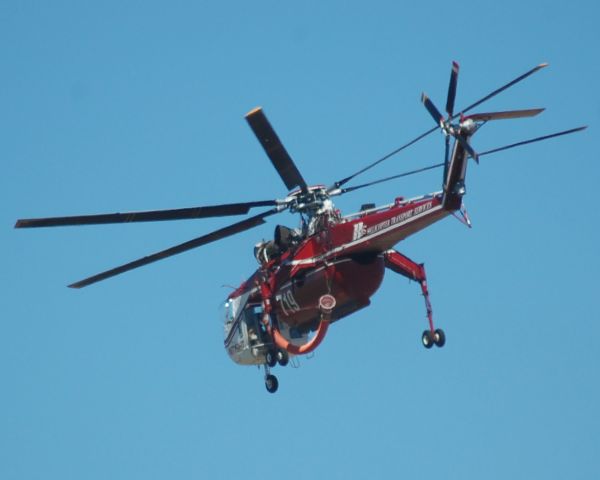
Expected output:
(246, 341)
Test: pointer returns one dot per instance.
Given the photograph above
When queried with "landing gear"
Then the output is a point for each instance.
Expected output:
(274, 357)
(279, 346)
(271, 358)
(432, 336)
(405, 266)
(437, 338)
(271, 383)
(283, 357)
(427, 339)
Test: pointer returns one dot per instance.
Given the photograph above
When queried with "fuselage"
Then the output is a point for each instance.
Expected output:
(343, 256)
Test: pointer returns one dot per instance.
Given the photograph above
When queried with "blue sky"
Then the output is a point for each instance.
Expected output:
(116, 106)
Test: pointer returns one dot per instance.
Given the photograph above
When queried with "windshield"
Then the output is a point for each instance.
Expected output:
(230, 310)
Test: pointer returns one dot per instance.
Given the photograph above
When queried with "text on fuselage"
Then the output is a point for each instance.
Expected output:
(361, 231)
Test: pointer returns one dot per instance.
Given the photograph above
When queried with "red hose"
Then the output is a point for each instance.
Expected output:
(284, 344)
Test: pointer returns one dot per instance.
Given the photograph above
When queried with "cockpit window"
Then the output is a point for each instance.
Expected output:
(231, 308)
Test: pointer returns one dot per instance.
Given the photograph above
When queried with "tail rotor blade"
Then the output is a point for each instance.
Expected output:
(452, 90)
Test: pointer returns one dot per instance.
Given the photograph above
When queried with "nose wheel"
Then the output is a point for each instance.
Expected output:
(271, 383)
(272, 358)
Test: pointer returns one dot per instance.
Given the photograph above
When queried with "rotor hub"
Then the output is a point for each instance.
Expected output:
(311, 202)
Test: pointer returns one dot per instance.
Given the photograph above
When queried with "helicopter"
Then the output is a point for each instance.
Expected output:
(331, 265)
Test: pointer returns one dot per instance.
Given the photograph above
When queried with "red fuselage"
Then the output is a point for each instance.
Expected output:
(343, 257)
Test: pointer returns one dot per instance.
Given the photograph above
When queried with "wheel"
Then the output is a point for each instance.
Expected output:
(439, 338)
(271, 383)
(271, 358)
(427, 339)
(282, 357)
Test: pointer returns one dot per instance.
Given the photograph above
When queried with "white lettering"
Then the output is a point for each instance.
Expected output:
(288, 303)
(360, 230)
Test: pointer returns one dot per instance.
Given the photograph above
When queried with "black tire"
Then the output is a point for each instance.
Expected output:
(271, 358)
(439, 338)
(427, 339)
(271, 383)
(282, 357)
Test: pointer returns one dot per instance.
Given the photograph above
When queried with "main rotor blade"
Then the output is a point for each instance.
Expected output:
(446, 156)
(468, 148)
(385, 157)
(452, 90)
(485, 117)
(197, 242)
(432, 109)
(147, 216)
(438, 117)
(430, 131)
(276, 152)
(450, 111)
(533, 140)
(504, 87)
(393, 177)
(431, 167)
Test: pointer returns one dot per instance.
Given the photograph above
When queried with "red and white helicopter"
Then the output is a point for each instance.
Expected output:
(330, 266)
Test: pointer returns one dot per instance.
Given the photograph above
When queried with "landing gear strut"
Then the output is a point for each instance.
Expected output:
(405, 266)
(432, 336)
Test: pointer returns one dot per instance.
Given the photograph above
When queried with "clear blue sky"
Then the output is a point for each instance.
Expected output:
(116, 106)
